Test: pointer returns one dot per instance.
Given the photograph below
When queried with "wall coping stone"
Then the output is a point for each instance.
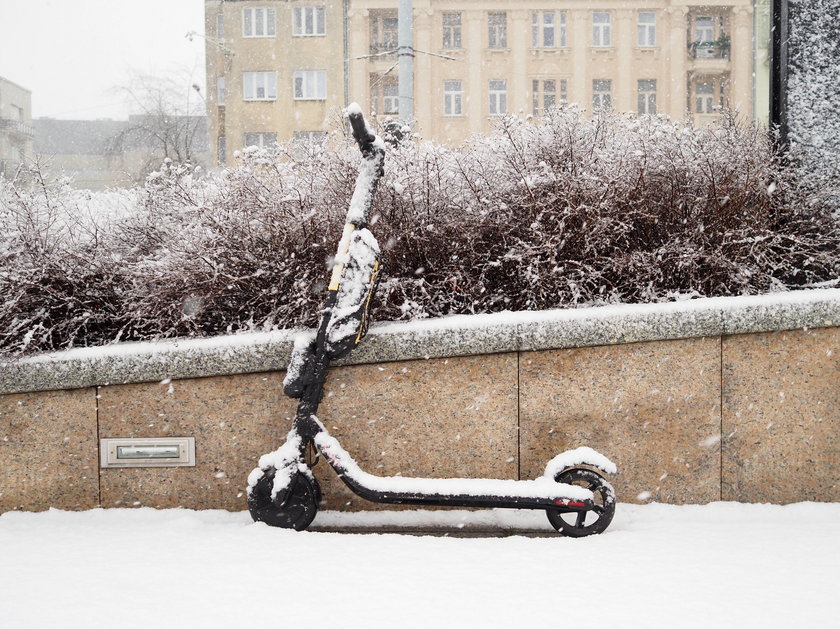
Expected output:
(458, 335)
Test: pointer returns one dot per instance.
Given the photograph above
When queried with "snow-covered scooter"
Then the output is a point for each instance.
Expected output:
(283, 492)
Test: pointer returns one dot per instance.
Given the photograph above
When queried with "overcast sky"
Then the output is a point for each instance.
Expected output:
(71, 54)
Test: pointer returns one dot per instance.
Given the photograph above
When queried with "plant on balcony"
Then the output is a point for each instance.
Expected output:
(718, 49)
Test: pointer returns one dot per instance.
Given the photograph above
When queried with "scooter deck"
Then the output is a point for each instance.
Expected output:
(540, 493)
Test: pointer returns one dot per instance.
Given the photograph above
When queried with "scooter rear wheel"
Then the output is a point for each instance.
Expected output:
(296, 513)
(583, 523)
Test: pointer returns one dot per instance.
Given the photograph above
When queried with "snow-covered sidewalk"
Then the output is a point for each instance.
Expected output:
(717, 565)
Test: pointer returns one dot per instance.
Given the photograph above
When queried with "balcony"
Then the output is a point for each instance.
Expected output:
(383, 47)
(709, 49)
(17, 126)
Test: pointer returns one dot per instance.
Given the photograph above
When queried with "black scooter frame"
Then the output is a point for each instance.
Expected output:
(308, 431)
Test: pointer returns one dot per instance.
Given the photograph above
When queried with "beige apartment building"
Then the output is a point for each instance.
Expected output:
(16, 131)
(282, 69)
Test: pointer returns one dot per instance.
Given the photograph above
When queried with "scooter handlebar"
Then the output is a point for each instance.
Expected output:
(361, 133)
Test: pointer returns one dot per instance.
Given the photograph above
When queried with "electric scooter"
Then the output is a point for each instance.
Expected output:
(283, 492)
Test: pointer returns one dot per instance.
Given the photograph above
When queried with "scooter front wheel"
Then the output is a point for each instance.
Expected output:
(592, 521)
(297, 512)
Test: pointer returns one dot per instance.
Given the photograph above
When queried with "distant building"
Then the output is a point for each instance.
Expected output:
(16, 132)
(99, 154)
(277, 69)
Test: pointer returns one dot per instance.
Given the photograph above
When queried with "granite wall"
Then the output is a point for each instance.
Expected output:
(753, 417)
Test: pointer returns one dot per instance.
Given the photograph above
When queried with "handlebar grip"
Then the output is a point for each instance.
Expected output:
(364, 138)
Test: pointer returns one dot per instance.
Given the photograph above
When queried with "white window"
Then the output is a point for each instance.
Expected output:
(498, 97)
(309, 137)
(220, 90)
(646, 29)
(704, 29)
(308, 21)
(258, 22)
(220, 26)
(259, 85)
(391, 98)
(647, 96)
(601, 94)
(221, 150)
(704, 97)
(385, 93)
(310, 85)
(601, 30)
(453, 97)
(542, 29)
(261, 139)
(544, 94)
(497, 30)
(451, 30)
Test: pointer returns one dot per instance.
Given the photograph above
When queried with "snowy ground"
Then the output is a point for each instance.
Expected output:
(717, 565)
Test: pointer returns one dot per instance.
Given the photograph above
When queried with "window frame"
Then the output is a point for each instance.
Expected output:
(319, 18)
(646, 96)
(645, 31)
(453, 99)
(451, 31)
(497, 30)
(250, 19)
(270, 81)
(313, 85)
(602, 31)
(601, 95)
(262, 135)
(497, 97)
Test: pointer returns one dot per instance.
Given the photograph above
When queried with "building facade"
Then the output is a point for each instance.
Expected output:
(280, 69)
(16, 131)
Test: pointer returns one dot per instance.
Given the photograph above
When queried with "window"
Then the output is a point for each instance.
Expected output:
(497, 30)
(601, 30)
(308, 21)
(646, 96)
(601, 94)
(544, 94)
(221, 149)
(646, 29)
(310, 85)
(453, 98)
(704, 97)
(391, 98)
(258, 22)
(261, 139)
(451, 30)
(220, 26)
(384, 28)
(542, 29)
(548, 29)
(259, 85)
(498, 97)
(704, 29)
(309, 137)
(220, 91)
(385, 94)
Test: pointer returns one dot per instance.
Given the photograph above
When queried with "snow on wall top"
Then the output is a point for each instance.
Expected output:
(460, 335)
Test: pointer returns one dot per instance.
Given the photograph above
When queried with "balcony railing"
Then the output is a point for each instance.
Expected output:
(384, 46)
(17, 126)
(709, 50)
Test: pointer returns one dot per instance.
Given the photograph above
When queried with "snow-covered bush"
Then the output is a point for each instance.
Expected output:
(551, 212)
